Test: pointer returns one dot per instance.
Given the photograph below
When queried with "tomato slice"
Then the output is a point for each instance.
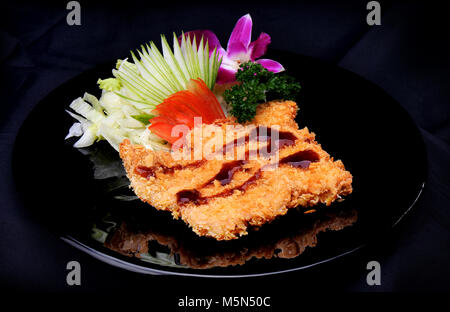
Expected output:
(180, 113)
(164, 131)
(163, 119)
(182, 107)
(200, 89)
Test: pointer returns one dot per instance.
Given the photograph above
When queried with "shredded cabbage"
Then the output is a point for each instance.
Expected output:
(109, 118)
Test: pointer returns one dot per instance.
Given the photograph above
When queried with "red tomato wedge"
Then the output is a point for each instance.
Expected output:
(164, 130)
(182, 107)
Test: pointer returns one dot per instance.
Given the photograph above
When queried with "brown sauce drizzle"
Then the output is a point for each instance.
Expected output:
(145, 172)
(285, 138)
(187, 196)
(226, 173)
(148, 172)
(301, 159)
(193, 196)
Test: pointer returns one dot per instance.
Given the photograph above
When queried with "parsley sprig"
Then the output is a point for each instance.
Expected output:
(258, 85)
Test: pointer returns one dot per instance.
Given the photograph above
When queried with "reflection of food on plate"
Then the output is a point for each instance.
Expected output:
(139, 244)
(220, 198)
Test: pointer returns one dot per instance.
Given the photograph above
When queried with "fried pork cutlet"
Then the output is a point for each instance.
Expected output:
(221, 198)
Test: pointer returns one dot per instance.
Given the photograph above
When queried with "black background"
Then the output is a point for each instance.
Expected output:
(407, 56)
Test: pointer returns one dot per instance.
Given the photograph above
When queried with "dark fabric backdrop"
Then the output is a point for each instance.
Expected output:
(407, 56)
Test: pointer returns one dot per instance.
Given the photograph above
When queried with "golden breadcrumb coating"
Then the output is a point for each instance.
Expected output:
(257, 192)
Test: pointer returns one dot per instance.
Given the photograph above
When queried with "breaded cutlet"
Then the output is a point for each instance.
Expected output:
(221, 198)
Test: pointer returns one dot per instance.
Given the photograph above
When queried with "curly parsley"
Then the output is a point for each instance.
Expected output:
(258, 85)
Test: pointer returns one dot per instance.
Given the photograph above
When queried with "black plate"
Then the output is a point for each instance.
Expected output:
(353, 119)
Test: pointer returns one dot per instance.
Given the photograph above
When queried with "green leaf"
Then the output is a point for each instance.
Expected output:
(144, 118)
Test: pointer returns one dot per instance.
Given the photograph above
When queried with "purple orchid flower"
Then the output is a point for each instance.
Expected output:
(239, 50)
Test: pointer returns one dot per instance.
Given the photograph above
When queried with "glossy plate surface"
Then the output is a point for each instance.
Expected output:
(82, 195)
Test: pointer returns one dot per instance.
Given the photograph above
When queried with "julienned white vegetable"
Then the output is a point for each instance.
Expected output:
(154, 76)
(109, 118)
(125, 106)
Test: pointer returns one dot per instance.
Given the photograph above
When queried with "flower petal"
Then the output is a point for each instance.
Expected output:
(220, 52)
(237, 51)
(226, 74)
(271, 65)
(259, 47)
(242, 34)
